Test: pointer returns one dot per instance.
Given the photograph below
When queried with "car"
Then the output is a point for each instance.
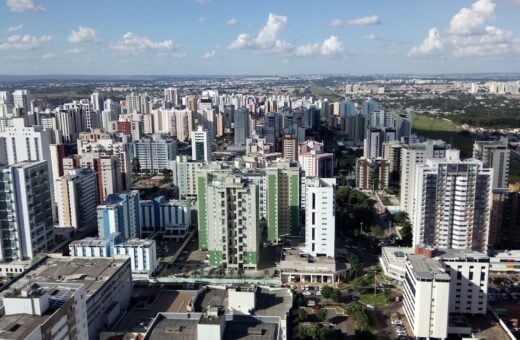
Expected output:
(306, 293)
(396, 322)
(318, 293)
(370, 307)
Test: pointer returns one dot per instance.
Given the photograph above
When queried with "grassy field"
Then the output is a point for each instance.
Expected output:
(377, 300)
(443, 129)
(320, 91)
(451, 133)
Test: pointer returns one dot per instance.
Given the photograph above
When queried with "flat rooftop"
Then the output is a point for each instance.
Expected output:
(462, 255)
(92, 272)
(175, 327)
(396, 255)
(294, 259)
(250, 330)
(151, 302)
(426, 268)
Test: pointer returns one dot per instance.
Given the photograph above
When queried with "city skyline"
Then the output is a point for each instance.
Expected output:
(209, 37)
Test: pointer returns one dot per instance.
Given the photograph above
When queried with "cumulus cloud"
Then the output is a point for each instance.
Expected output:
(14, 28)
(468, 35)
(364, 21)
(132, 44)
(23, 6)
(232, 22)
(431, 44)
(329, 46)
(83, 35)
(371, 36)
(49, 56)
(76, 50)
(201, 19)
(24, 42)
(203, 2)
(470, 19)
(209, 55)
(267, 38)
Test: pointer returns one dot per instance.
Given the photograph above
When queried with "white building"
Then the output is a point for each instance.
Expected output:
(452, 204)
(44, 310)
(242, 299)
(494, 155)
(154, 155)
(143, 256)
(170, 218)
(373, 143)
(469, 272)
(200, 145)
(412, 156)
(77, 199)
(426, 302)
(505, 261)
(26, 211)
(184, 175)
(90, 247)
(320, 216)
(314, 162)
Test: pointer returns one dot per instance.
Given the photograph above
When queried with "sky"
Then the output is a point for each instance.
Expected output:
(272, 37)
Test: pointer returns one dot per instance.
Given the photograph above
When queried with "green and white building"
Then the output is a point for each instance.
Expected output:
(229, 219)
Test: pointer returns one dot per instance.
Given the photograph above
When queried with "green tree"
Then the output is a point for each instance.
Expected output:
(336, 295)
(136, 166)
(326, 291)
(322, 314)
(302, 315)
(355, 265)
(299, 299)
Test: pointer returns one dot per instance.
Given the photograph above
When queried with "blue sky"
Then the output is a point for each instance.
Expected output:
(206, 37)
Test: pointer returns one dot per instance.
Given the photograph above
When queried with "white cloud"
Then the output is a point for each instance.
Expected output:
(209, 55)
(431, 44)
(83, 35)
(469, 19)
(76, 50)
(467, 36)
(23, 6)
(132, 44)
(329, 46)
(15, 28)
(203, 2)
(267, 38)
(24, 42)
(49, 56)
(232, 22)
(364, 21)
(371, 36)
(201, 19)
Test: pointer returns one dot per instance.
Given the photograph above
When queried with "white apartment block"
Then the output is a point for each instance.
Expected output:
(170, 218)
(412, 156)
(426, 291)
(494, 155)
(320, 216)
(184, 176)
(77, 199)
(143, 256)
(453, 204)
(314, 162)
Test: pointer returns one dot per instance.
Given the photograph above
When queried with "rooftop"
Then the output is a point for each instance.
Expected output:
(90, 242)
(136, 243)
(462, 255)
(426, 268)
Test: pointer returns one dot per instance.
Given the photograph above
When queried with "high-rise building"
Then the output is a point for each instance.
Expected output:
(374, 141)
(452, 204)
(505, 219)
(184, 176)
(369, 106)
(426, 288)
(154, 155)
(241, 126)
(170, 218)
(119, 217)
(228, 220)
(26, 211)
(200, 145)
(22, 101)
(372, 173)
(96, 101)
(314, 162)
(495, 155)
(290, 147)
(170, 97)
(355, 127)
(412, 156)
(108, 169)
(282, 199)
(320, 215)
(77, 199)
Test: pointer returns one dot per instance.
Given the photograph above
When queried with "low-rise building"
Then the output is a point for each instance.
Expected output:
(505, 261)
(143, 256)
(90, 247)
(107, 289)
(393, 261)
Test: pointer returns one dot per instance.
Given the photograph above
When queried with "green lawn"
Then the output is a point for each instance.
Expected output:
(377, 300)
(437, 128)
(320, 91)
